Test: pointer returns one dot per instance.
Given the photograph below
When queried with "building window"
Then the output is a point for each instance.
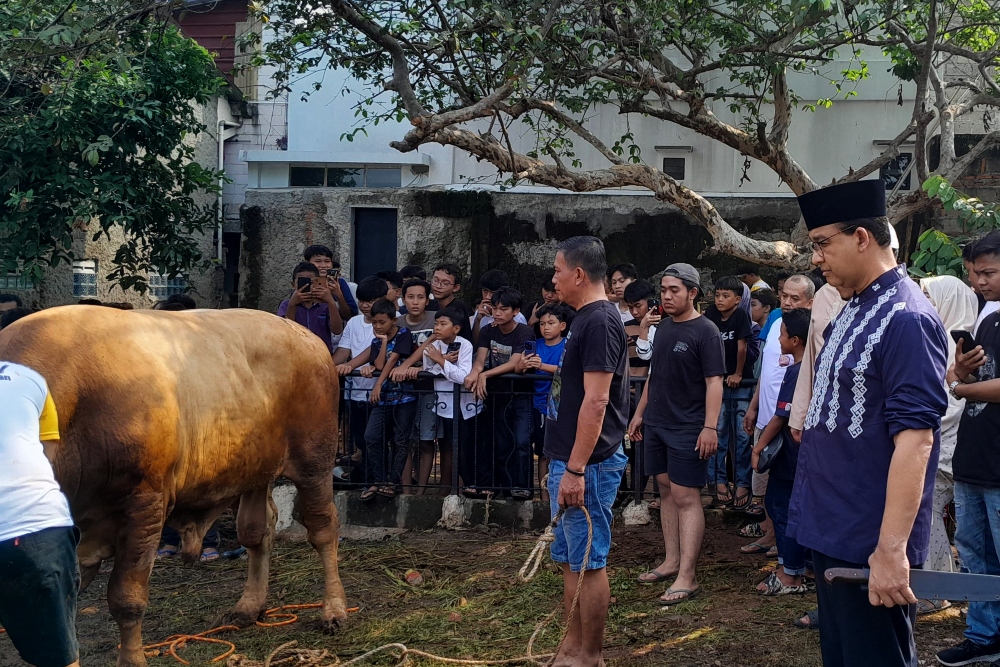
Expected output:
(15, 281)
(345, 177)
(306, 177)
(891, 172)
(85, 278)
(161, 287)
(674, 167)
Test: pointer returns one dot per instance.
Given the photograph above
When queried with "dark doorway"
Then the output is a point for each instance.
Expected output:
(374, 241)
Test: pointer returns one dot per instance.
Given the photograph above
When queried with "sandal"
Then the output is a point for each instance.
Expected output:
(654, 577)
(812, 620)
(386, 491)
(755, 548)
(742, 503)
(521, 494)
(752, 530)
(722, 500)
(167, 551)
(688, 594)
(654, 504)
(773, 587)
(367, 494)
(755, 511)
(209, 555)
(772, 552)
(931, 606)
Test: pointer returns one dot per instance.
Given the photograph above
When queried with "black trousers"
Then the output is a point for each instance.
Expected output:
(852, 632)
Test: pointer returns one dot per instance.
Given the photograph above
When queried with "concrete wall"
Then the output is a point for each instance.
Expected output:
(482, 230)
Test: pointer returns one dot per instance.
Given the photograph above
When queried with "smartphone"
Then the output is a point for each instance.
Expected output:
(654, 305)
(454, 347)
(303, 284)
(968, 344)
(333, 273)
(529, 347)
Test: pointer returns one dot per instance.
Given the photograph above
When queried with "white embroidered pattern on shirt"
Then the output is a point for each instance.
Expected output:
(858, 411)
(831, 422)
(822, 380)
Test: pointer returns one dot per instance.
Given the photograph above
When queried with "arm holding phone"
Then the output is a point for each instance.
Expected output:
(384, 374)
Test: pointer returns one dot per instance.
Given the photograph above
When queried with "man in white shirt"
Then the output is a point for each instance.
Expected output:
(39, 576)
(621, 276)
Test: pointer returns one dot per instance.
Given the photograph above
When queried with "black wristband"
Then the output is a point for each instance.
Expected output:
(711, 429)
(574, 472)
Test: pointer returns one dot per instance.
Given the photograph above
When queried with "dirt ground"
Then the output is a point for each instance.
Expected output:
(471, 605)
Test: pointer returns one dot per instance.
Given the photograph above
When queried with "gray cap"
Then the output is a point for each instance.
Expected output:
(685, 272)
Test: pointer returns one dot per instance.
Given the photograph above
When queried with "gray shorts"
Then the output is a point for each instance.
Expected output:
(428, 425)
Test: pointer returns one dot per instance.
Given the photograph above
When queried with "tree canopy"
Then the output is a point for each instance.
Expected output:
(96, 101)
(463, 72)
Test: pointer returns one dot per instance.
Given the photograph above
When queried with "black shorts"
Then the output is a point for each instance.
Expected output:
(538, 432)
(39, 581)
(674, 453)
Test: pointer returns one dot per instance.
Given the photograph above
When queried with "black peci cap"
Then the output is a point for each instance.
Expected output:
(843, 203)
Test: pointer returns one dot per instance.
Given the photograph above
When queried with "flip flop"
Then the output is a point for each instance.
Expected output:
(742, 503)
(167, 551)
(657, 577)
(687, 592)
(752, 530)
(813, 624)
(772, 552)
(209, 555)
(755, 548)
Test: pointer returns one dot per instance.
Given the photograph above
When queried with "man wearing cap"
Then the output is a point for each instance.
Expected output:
(865, 480)
(678, 415)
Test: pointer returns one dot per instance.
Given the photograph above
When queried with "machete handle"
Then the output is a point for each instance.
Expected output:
(846, 575)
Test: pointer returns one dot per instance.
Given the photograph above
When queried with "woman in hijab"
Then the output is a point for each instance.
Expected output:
(956, 303)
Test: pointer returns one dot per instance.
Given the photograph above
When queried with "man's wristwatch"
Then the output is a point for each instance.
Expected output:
(951, 389)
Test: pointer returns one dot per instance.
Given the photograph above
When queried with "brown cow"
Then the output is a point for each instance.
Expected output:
(173, 416)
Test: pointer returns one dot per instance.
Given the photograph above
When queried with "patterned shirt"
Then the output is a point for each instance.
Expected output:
(880, 373)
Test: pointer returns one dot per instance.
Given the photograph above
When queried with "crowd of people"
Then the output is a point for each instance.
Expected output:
(846, 411)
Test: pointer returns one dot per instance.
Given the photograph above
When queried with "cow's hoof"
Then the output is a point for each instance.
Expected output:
(331, 626)
(240, 619)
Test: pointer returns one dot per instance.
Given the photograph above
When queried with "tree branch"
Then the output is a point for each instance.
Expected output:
(887, 156)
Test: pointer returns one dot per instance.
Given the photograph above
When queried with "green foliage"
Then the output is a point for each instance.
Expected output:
(939, 254)
(96, 121)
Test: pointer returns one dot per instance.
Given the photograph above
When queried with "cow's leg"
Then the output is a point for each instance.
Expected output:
(319, 515)
(128, 587)
(255, 527)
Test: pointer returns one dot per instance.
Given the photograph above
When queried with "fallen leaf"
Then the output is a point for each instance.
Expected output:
(89, 610)
(463, 602)
(454, 617)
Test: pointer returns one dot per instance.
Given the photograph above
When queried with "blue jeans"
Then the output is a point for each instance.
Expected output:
(977, 536)
(734, 406)
(791, 555)
(600, 490)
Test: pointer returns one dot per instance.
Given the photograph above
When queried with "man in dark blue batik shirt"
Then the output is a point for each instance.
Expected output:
(865, 477)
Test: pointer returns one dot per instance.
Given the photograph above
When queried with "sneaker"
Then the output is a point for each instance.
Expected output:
(968, 653)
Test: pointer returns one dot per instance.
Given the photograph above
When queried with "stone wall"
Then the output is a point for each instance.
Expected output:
(480, 230)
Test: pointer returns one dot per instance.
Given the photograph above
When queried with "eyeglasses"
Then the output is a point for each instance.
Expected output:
(820, 246)
(442, 283)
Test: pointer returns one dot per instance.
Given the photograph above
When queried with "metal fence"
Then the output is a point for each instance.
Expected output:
(493, 447)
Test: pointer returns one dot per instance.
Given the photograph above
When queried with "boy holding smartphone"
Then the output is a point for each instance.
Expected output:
(312, 305)
(542, 357)
(322, 258)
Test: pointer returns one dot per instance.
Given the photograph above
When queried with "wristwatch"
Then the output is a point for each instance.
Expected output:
(951, 389)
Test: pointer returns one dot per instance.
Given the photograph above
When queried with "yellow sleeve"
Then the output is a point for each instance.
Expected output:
(48, 422)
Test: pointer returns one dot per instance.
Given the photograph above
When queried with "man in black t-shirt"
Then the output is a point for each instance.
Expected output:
(587, 412)
(680, 409)
(736, 329)
(500, 346)
(976, 463)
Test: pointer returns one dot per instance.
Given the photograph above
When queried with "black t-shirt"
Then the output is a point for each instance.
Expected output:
(500, 348)
(784, 465)
(459, 305)
(738, 327)
(595, 342)
(977, 452)
(684, 354)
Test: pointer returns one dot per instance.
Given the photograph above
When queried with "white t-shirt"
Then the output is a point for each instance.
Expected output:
(30, 497)
(772, 372)
(452, 374)
(357, 338)
(760, 284)
(988, 309)
(626, 314)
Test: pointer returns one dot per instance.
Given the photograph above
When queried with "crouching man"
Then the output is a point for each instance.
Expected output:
(39, 577)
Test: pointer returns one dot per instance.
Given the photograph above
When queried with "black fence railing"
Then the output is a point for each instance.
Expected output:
(488, 447)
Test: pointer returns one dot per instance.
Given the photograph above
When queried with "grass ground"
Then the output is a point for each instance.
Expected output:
(471, 605)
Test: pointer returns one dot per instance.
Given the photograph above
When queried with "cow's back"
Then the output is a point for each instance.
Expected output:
(201, 405)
